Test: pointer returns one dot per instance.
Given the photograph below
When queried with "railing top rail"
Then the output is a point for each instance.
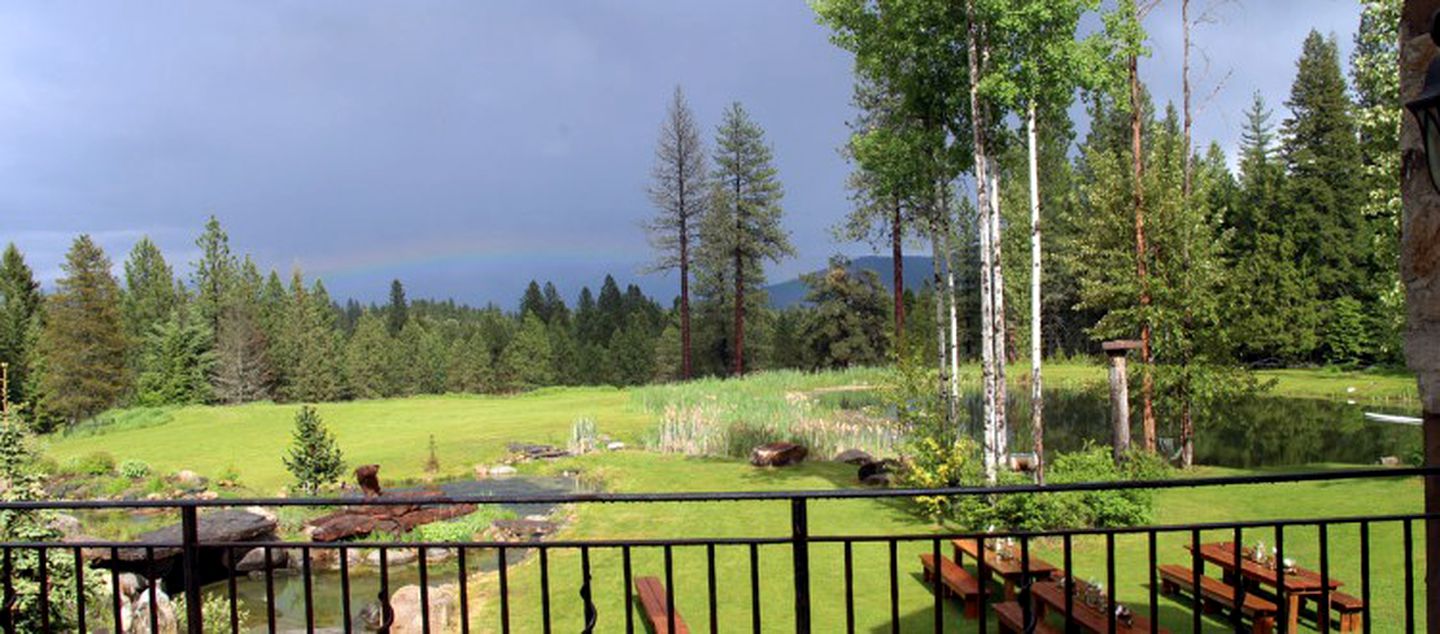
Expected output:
(739, 496)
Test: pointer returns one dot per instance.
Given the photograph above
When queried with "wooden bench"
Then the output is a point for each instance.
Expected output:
(1012, 619)
(652, 600)
(1350, 608)
(1259, 610)
(956, 582)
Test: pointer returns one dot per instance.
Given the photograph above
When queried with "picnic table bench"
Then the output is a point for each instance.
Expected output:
(1291, 588)
(1050, 596)
(956, 581)
(1259, 610)
(1011, 569)
(653, 601)
(1012, 619)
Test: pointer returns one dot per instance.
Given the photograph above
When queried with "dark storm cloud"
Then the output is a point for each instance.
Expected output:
(464, 147)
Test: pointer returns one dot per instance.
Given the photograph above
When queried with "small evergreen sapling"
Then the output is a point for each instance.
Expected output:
(314, 458)
(432, 463)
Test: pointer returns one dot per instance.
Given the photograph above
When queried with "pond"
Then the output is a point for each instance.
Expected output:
(1257, 431)
(365, 580)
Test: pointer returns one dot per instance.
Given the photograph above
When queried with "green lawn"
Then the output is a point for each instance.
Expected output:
(643, 472)
(394, 433)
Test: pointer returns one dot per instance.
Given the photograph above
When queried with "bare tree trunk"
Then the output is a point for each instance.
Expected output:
(954, 322)
(738, 364)
(1420, 272)
(941, 337)
(988, 311)
(1037, 394)
(897, 258)
(685, 368)
(987, 335)
(1137, 163)
(1001, 340)
(1187, 417)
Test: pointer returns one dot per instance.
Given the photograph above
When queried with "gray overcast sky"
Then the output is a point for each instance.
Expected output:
(463, 147)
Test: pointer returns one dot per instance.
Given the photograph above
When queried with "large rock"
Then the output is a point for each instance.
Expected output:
(229, 525)
(410, 619)
(777, 454)
(878, 472)
(856, 457)
(255, 560)
(522, 530)
(138, 612)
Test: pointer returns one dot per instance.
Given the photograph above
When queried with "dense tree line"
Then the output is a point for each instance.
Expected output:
(229, 334)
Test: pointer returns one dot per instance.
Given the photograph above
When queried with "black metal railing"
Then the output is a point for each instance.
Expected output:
(1391, 591)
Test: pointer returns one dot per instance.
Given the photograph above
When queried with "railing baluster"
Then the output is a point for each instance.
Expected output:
(800, 552)
(585, 592)
(938, 581)
(1196, 565)
(626, 591)
(1237, 615)
(464, 590)
(545, 588)
(1409, 540)
(79, 590)
(505, 587)
(1365, 575)
(755, 617)
(232, 591)
(115, 607)
(1027, 609)
(669, 589)
(1322, 611)
(1110, 582)
(421, 555)
(308, 583)
(346, 618)
(1069, 584)
(190, 564)
(894, 591)
(1152, 544)
(849, 589)
(710, 588)
(150, 585)
(9, 594)
(269, 589)
(387, 612)
(1283, 621)
(981, 574)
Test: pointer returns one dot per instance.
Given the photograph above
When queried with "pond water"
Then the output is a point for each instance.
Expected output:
(326, 596)
(1259, 431)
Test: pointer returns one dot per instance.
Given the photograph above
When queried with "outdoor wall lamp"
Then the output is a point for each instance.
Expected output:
(1426, 108)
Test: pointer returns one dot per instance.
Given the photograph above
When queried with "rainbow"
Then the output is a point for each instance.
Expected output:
(451, 252)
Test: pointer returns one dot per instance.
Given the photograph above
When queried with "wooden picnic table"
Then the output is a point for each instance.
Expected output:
(1298, 583)
(1009, 568)
(1050, 595)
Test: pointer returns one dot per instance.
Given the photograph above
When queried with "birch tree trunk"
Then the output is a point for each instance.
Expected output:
(987, 335)
(1187, 417)
(941, 336)
(1000, 340)
(1037, 394)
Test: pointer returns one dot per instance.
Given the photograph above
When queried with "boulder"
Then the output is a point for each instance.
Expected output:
(615, 446)
(393, 557)
(139, 612)
(343, 525)
(777, 454)
(853, 456)
(368, 476)
(501, 471)
(522, 530)
(410, 619)
(68, 525)
(188, 479)
(878, 472)
(255, 560)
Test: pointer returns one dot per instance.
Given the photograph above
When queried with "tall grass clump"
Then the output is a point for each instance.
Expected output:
(729, 417)
(584, 436)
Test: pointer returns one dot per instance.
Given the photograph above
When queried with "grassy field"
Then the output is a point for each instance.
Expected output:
(633, 471)
(248, 440)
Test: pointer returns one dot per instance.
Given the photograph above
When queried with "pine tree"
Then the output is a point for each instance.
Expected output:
(273, 319)
(20, 312)
(533, 302)
(471, 368)
(610, 312)
(214, 274)
(397, 313)
(742, 229)
(314, 459)
(632, 353)
(1323, 188)
(83, 341)
(150, 297)
(680, 193)
(556, 312)
(372, 364)
(176, 361)
(847, 326)
(318, 373)
(525, 364)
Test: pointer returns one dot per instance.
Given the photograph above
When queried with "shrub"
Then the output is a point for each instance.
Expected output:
(584, 436)
(134, 469)
(214, 612)
(315, 458)
(96, 463)
(462, 529)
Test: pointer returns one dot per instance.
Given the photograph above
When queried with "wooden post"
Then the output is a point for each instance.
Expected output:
(1119, 395)
(1420, 272)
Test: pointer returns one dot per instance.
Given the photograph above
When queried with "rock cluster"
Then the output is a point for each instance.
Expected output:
(777, 454)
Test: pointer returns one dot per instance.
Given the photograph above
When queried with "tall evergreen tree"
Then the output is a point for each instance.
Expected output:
(397, 312)
(150, 296)
(742, 229)
(243, 371)
(83, 341)
(679, 191)
(317, 373)
(176, 360)
(372, 364)
(847, 326)
(471, 368)
(525, 364)
(20, 310)
(214, 275)
(533, 302)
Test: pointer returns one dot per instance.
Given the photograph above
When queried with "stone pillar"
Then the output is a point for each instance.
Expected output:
(1119, 395)
(1420, 273)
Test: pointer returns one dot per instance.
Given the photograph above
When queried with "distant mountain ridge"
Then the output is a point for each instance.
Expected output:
(917, 273)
